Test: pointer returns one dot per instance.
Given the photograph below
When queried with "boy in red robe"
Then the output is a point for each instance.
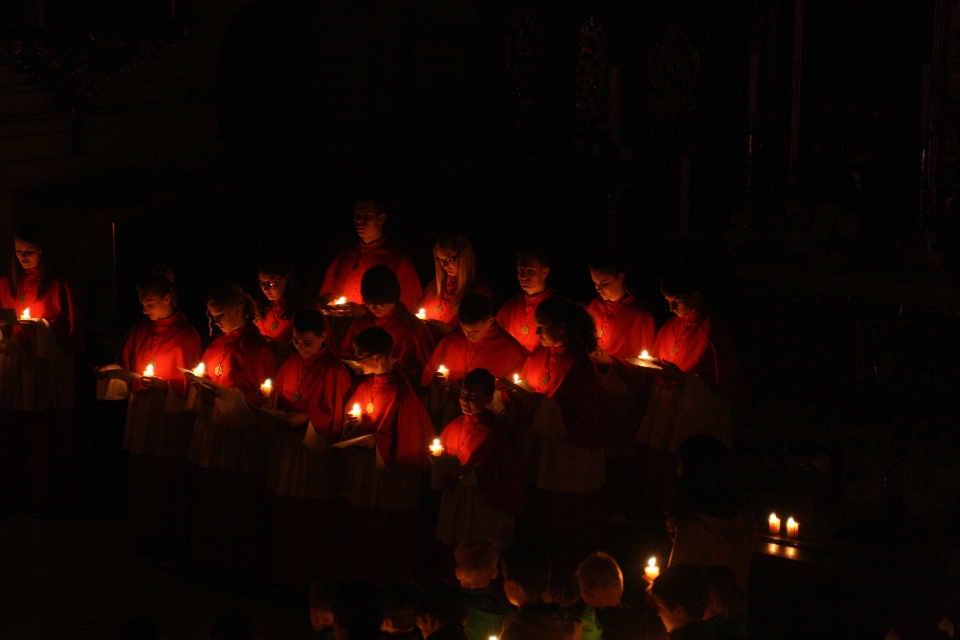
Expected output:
(383, 472)
(311, 388)
(516, 316)
(412, 342)
(695, 391)
(343, 277)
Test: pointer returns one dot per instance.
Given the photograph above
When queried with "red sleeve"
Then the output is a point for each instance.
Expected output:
(436, 359)
(258, 366)
(580, 404)
(410, 288)
(405, 439)
(329, 286)
(327, 415)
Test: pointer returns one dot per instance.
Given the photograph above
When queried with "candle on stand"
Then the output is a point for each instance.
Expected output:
(355, 412)
(436, 448)
(200, 370)
(148, 372)
(443, 371)
(422, 314)
(774, 523)
(26, 314)
(266, 388)
(651, 570)
(793, 528)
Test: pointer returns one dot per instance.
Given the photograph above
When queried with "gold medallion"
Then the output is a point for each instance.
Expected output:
(546, 379)
(218, 370)
(524, 330)
(439, 308)
(369, 407)
(599, 333)
(296, 396)
(274, 325)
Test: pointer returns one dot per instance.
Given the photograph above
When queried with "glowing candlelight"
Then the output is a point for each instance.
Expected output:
(793, 528)
(651, 570)
(342, 300)
(266, 388)
(493, 637)
(200, 370)
(774, 523)
(645, 355)
(26, 314)
(443, 371)
(516, 378)
(148, 372)
(422, 314)
(436, 448)
(355, 412)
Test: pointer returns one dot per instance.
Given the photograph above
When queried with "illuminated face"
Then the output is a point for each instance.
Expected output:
(368, 222)
(551, 335)
(608, 285)
(672, 618)
(532, 275)
(27, 253)
(227, 318)
(155, 307)
(449, 261)
(472, 402)
(273, 285)
(307, 343)
(369, 363)
(476, 332)
(683, 304)
(381, 310)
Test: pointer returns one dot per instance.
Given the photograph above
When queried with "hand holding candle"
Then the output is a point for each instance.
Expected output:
(793, 528)
(436, 448)
(651, 571)
(26, 314)
(355, 412)
(422, 314)
(148, 372)
(267, 388)
(200, 370)
(774, 523)
(443, 371)
(342, 300)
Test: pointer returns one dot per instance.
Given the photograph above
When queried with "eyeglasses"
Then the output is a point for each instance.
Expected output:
(446, 261)
(266, 285)
(471, 397)
(359, 359)
(378, 307)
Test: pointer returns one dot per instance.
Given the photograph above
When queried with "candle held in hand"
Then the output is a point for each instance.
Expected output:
(793, 528)
(267, 388)
(443, 371)
(645, 355)
(436, 448)
(422, 314)
(355, 412)
(516, 378)
(148, 372)
(200, 370)
(26, 314)
(342, 300)
(651, 570)
(774, 524)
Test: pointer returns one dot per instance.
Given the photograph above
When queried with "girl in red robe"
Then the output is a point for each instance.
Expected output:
(159, 427)
(278, 300)
(695, 391)
(232, 504)
(567, 459)
(38, 445)
(516, 316)
(383, 472)
(455, 277)
(310, 390)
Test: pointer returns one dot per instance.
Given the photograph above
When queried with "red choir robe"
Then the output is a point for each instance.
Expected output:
(158, 430)
(624, 328)
(306, 480)
(57, 306)
(497, 352)
(245, 361)
(380, 522)
(345, 273)
(412, 342)
(443, 307)
(516, 316)
(277, 327)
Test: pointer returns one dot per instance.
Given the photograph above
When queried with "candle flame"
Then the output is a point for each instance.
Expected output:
(355, 411)
(26, 314)
(148, 372)
(442, 370)
(652, 562)
(268, 384)
(200, 370)
(341, 300)
(422, 314)
(645, 355)
(791, 522)
(773, 517)
(516, 378)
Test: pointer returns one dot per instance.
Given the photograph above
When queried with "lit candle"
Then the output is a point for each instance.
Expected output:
(342, 300)
(266, 388)
(148, 372)
(493, 637)
(355, 413)
(774, 523)
(443, 371)
(516, 378)
(200, 370)
(793, 528)
(436, 448)
(651, 570)
(26, 314)
(645, 355)
(422, 314)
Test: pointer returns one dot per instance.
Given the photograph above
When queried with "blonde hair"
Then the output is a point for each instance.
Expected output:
(231, 295)
(467, 276)
(477, 558)
(600, 572)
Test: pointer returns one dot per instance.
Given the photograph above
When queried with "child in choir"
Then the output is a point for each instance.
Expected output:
(37, 377)
(567, 503)
(441, 612)
(278, 300)
(412, 342)
(456, 277)
(476, 569)
(601, 588)
(311, 388)
(399, 611)
(320, 595)
(517, 314)
(232, 503)
(383, 473)
(681, 594)
(624, 329)
(526, 578)
(482, 489)
(343, 277)
(159, 427)
(696, 389)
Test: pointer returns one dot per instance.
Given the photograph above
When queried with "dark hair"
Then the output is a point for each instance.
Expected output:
(443, 602)
(293, 295)
(529, 567)
(310, 320)
(235, 624)
(707, 483)
(682, 281)
(399, 604)
(159, 282)
(358, 608)
(683, 585)
(580, 327)
(30, 234)
(474, 308)
(374, 341)
(480, 380)
(607, 262)
(231, 295)
(538, 253)
(380, 285)
(373, 201)
(722, 584)
(322, 592)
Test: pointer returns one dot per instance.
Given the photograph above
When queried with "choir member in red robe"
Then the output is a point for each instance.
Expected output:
(344, 276)
(456, 277)
(625, 328)
(279, 299)
(412, 342)
(482, 490)
(310, 390)
(159, 427)
(232, 503)
(695, 391)
(516, 316)
(568, 492)
(383, 473)
(37, 436)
